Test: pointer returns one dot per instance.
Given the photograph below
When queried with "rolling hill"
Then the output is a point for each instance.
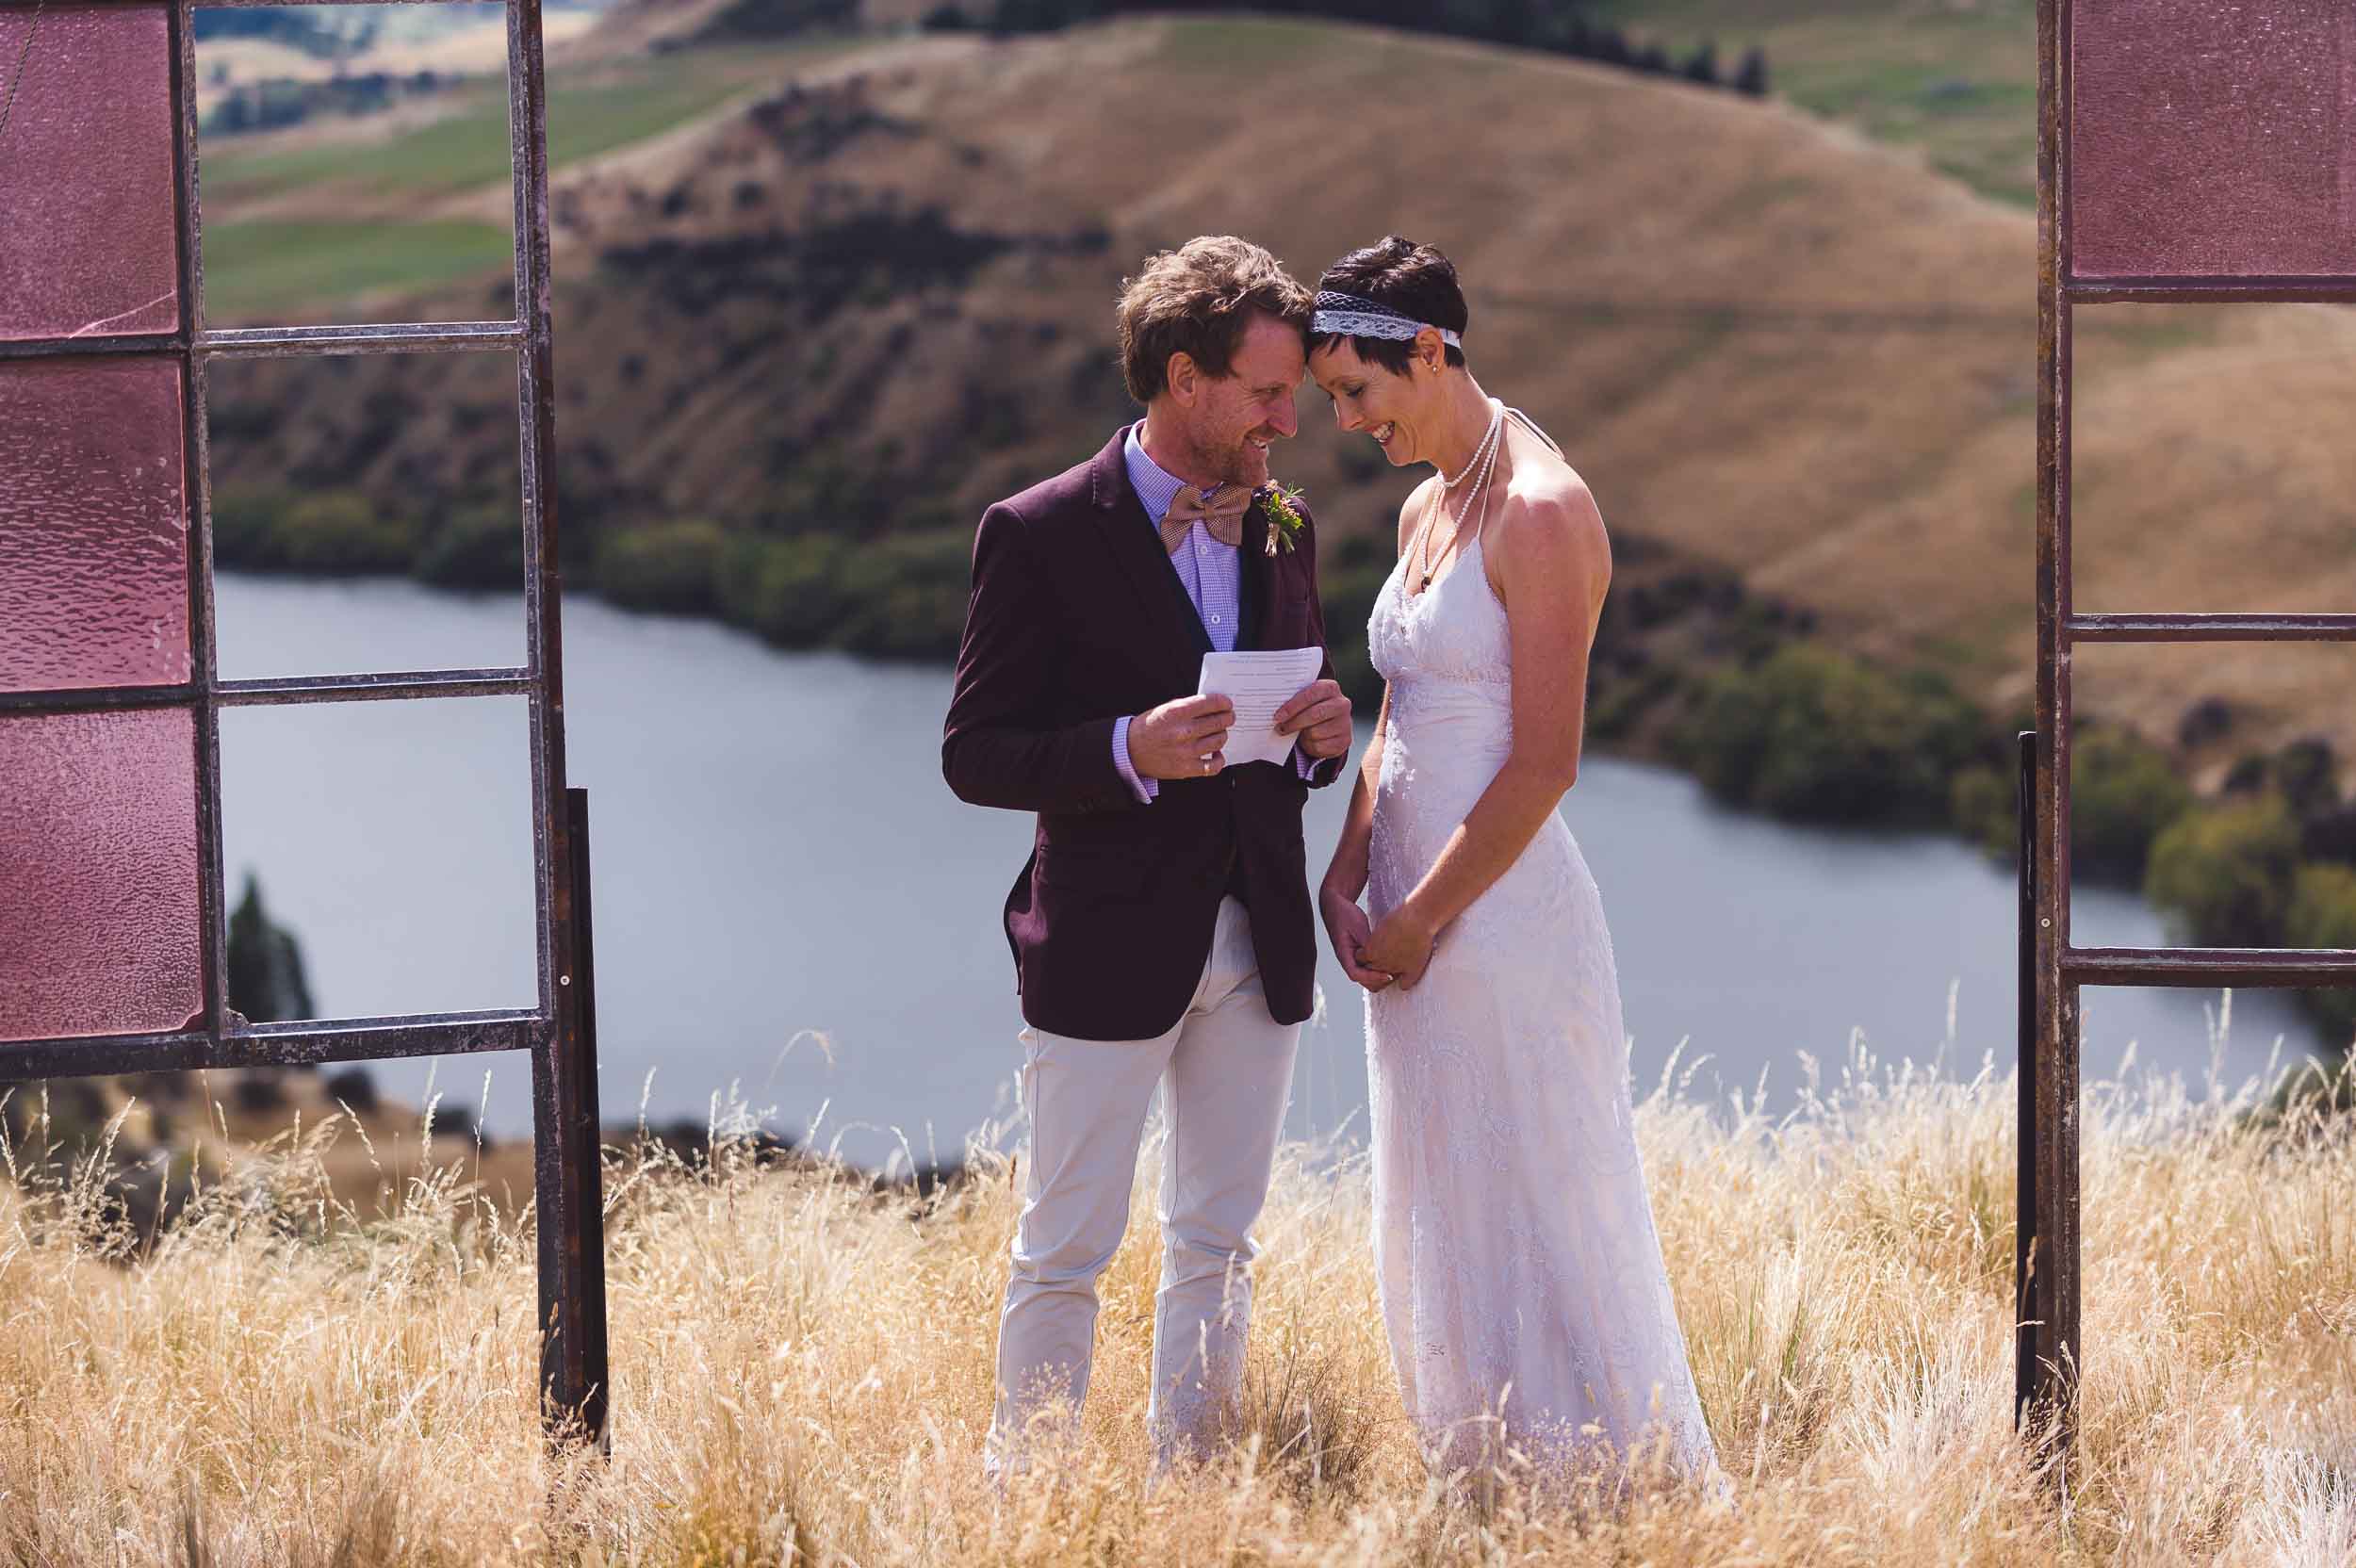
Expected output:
(852, 302)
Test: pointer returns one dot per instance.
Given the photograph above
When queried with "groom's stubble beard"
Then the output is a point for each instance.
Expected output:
(1223, 460)
(1237, 462)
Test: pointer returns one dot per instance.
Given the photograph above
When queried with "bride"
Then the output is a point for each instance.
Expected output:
(1520, 1274)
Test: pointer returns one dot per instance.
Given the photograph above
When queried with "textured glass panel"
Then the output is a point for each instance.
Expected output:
(2213, 137)
(94, 524)
(86, 184)
(98, 906)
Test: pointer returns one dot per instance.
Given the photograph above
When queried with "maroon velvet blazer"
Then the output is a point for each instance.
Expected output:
(1075, 619)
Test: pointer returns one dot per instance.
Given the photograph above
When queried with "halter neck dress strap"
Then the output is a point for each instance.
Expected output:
(1531, 425)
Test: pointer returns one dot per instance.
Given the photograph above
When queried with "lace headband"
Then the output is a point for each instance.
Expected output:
(1357, 316)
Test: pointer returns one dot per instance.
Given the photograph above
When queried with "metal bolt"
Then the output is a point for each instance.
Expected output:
(2047, 921)
(563, 979)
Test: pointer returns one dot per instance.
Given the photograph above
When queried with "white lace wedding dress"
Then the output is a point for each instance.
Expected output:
(1520, 1273)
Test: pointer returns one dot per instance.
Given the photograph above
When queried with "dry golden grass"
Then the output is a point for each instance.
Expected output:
(802, 1367)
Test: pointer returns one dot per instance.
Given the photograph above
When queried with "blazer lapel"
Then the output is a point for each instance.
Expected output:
(1252, 572)
(1135, 547)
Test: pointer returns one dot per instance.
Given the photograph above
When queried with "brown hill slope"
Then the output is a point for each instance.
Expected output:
(872, 301)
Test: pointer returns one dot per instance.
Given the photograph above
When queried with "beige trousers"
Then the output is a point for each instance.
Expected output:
(1225, 1069)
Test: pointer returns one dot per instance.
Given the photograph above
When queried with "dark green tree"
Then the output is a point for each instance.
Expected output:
(266, 978)
(1750, 77)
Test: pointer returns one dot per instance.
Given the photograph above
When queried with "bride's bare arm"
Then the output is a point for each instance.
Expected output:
(1551, 564)
(1347, 874)
(1346, 923)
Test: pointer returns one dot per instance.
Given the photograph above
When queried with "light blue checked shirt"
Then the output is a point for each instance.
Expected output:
(1212, 574)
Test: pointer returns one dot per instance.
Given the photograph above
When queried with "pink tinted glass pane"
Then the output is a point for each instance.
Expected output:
(2213, 138)
(94, 524)
(98, 912)
(86, 184)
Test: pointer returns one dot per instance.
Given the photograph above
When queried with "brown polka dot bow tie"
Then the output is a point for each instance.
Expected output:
(1221, 515)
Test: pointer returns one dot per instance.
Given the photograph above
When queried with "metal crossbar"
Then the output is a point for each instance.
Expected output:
(2206, 967)
(277, 1045)
(2211, 629)
(2210, 291)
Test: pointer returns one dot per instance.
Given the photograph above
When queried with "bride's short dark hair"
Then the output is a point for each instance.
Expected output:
(1414, 280)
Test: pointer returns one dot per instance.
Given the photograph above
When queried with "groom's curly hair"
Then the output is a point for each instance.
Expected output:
(1199, 300)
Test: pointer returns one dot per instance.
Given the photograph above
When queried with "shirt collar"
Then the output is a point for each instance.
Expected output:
(1156, 486)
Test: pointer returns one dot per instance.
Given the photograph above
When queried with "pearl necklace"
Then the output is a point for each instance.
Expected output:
(1485, 460)
(1488, 440)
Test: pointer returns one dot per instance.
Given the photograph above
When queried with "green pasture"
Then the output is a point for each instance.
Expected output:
(1958, 83)
(313, 247)
(260, 271)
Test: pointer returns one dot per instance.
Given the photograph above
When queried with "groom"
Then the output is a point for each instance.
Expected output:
(1161, 931)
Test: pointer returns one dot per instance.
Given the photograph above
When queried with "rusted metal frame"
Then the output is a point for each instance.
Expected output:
(570, 1219)
(28, 5)
(575, 1374)
(273, 1045)
(2212, 629)
(390, 338)
(268, 342)
(535, 400)
(2049, 1335)
(508, 682)
(505, 680)
(2025, 995)
(93, 699)
(2212, 291)
(50, 347)
(2209, 967)
(204, 645)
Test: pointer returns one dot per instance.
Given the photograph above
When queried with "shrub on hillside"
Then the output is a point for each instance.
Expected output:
(1983, 805)
(2123, 793)
(323, 531)
(790, 590)
(2323, 914)
(1813, 734)
(907, 594)
(476, 546)
(670, 566)
(332, 532)
(2308, 774)
(2223, 873)
(248, 523)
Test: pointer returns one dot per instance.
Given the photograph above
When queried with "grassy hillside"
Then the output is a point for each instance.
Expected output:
(802, 1367)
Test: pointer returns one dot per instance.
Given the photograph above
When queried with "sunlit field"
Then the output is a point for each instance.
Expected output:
(802, 1363)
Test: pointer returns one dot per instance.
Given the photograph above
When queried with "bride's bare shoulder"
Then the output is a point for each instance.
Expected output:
(1549, 504)
(1551, 529)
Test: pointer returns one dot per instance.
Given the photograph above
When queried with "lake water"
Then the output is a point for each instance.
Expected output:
(777, 859)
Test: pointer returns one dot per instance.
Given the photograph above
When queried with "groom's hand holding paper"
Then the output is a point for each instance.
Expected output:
(1259, 685)
(1318, 718)
(1180, 739)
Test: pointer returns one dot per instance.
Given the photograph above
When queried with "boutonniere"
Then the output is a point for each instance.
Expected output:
(1282, 503)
